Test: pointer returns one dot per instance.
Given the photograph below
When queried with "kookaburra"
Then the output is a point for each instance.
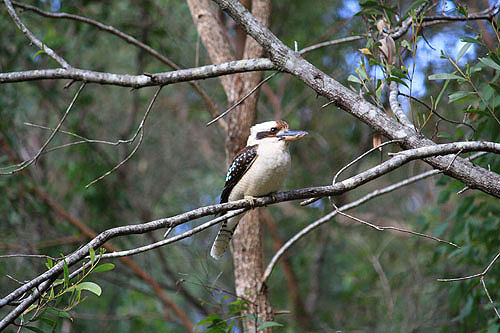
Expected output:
(258, 169)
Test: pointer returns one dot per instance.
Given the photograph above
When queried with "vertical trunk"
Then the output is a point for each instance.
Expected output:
(248, 249)
(247, 246)
(248, 261)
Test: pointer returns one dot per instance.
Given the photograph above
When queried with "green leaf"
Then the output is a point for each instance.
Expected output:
(354, 79)
(490, 63)
(413, 6)
(38, 53)
(445, 135)
(209, 319)
(462, 51)
(445, 85)
(380, 87)
(104, 268)
(34, 329)
(470, 40)
(90, 286)
(396, 79)
(496, 87)
(49, 264)
(58, 313)
(92, 255)
(462, 10)
(461, 96)
(268, 324)
(399, 73)
(445, 76)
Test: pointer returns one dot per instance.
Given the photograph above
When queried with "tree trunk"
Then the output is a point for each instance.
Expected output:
(247, 246)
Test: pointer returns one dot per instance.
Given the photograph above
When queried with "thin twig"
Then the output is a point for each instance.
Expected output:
(23, 165)
(438, 114)
(242, 99)
(311, 200)
(32, 38)
(140, 130)
(346, 207)
(357, 159)
(128, 39)
(489, 297)
(330, 43)
(483, 273)
(22, 255)
(332, 214)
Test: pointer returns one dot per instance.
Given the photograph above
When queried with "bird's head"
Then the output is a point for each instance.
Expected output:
(273, 131)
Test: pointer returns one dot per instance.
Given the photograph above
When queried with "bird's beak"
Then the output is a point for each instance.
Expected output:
(291, 135)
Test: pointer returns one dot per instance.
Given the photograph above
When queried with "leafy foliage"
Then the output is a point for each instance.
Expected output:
(343, 276)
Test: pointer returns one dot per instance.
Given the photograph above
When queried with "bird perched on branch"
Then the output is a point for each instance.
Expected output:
(257, 170)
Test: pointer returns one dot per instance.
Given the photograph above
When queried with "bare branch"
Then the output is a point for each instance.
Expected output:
(487, 14)
(140, 130)
(170, 240)
(330, 43)
(140, 81)
(489, 297)
(242, 99)
(128, 39)
(32, 38)
(21, 255)
(27, 163)
(396, 107)
(483, 273)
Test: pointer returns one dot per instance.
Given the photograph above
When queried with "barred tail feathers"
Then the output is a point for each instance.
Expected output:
(224, 237)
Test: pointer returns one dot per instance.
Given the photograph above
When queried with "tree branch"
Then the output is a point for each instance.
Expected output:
(128, 39)
(339, 188)
(23, 165)
(140, 81)
(32, 38)
(288, 60)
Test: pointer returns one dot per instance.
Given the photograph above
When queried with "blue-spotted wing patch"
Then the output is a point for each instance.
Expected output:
(238, 168)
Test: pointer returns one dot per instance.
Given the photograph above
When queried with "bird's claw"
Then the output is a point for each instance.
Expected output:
(251, 199)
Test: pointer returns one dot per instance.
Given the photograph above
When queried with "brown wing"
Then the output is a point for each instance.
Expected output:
(241, 163)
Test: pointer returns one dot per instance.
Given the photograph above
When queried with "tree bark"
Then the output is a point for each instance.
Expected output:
(247, 248)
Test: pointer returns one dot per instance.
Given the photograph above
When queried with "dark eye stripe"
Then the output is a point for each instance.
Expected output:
(263, 134)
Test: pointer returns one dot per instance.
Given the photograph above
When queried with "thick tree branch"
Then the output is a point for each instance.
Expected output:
(289, 61)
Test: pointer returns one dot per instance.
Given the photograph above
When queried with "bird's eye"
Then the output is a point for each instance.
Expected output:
(274, 130)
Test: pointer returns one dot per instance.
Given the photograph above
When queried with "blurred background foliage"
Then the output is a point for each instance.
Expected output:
(341, 277)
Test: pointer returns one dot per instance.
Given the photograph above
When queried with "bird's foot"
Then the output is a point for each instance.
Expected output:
(251, 199)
